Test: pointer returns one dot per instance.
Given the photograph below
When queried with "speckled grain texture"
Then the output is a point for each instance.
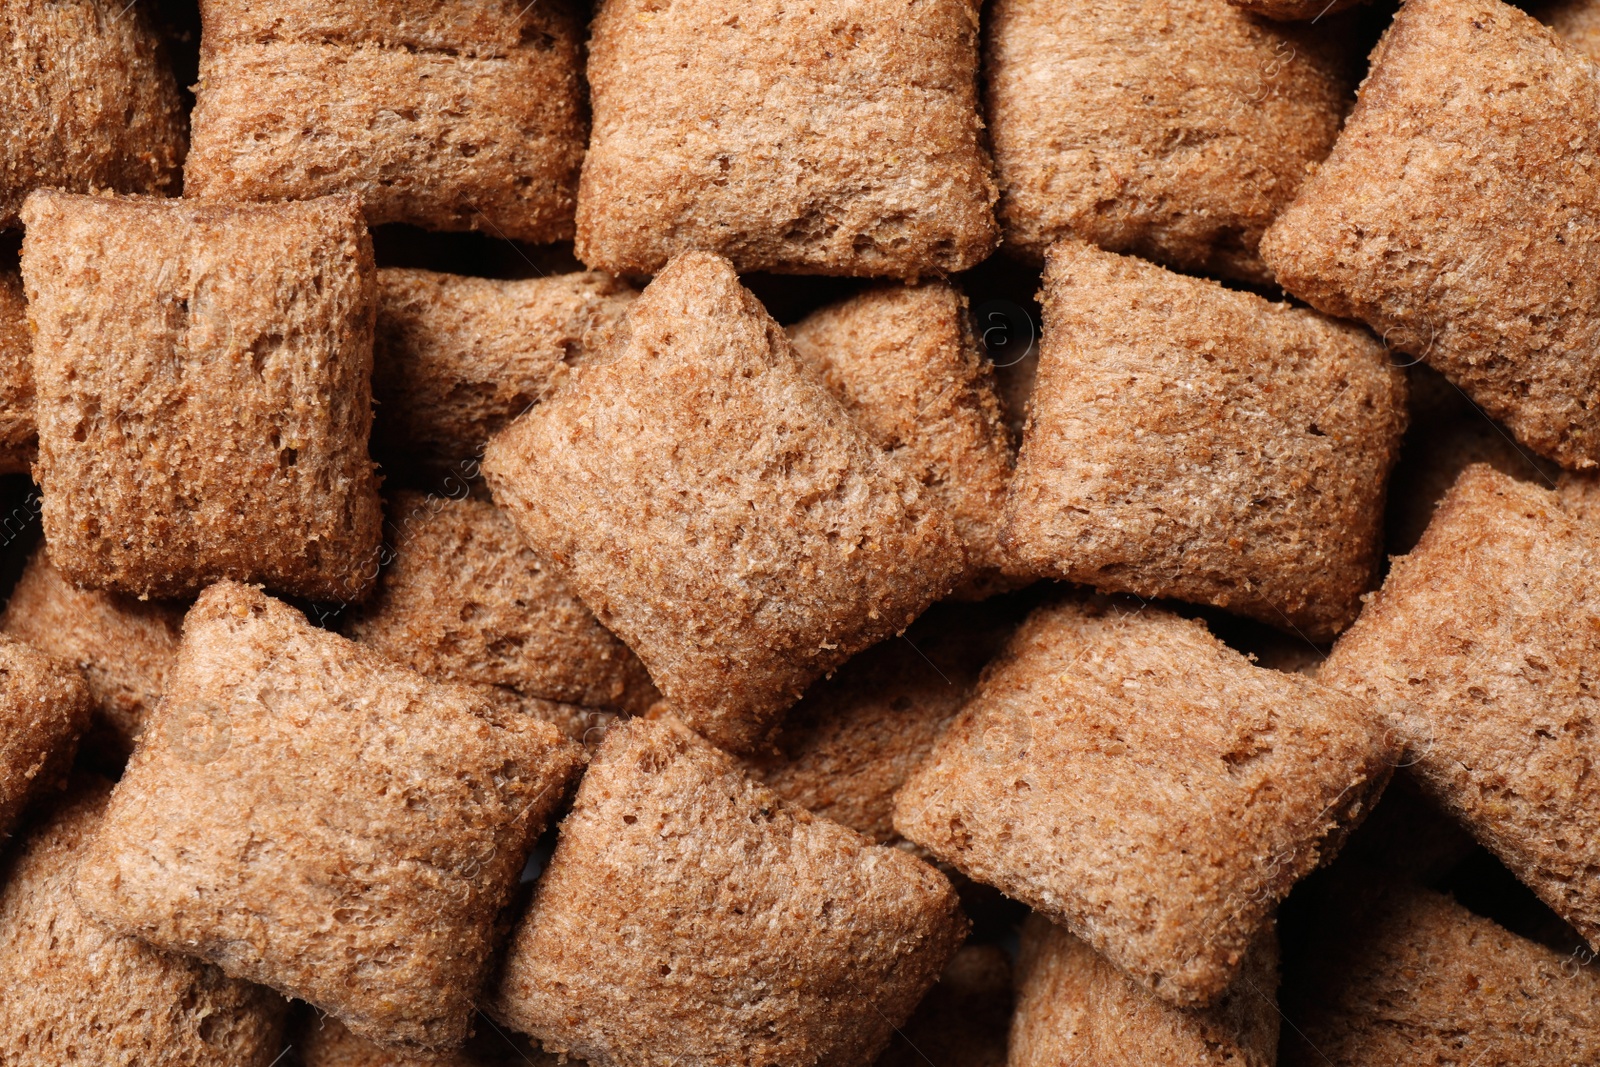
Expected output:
(1174, 130)
(464, 599)
(1409, 976)
(1196, 442)
(326, 1042)
(1130, 776)
(19, 437)
(841, 137)
(905, 363)
(1479, 654)
(89, 100)
(856, 736)
(1074, 1007)
(718, 509)
(44, 708)
(123, 646)
(962, 1021)
(306, 814)
(203, 392)
(456, 359)
(1576, 21)
(447, 114)
(691, 916)
(1313, 11)
(1459, 215)
(76, 993)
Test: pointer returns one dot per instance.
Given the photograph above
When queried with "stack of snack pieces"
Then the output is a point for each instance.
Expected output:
(734, 533)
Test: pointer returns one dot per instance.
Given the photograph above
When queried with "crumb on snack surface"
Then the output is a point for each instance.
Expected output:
(1124, 772)
(206, 419)
(447, 116)
(44, 708)
(717, 508)
(841, 137)
(1190, 441)
(306, 814)
(669, 860)
(1459, 216)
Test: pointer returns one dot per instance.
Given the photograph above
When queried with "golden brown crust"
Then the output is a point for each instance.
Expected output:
(718, 510)
(1405, 975)
(1191, 441)
(1457, 216)
(464, 599)
(691, 916)
(226, 436)
(306, 814)
(19, 438)
(456, 359)
(44, 708)
(88, 99)
(1577, 21)
(841, 137)
(77, 993)
(458, 115)
(1074, 1007)
(326, 1042)
(1175, 130)
(123, 646)
(1476, 654)
(1130, 776)
(904, 362)
(1295, 10)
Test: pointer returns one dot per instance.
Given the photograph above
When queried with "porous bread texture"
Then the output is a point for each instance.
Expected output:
(1074, 1007)
(203, 393)
(841, 137)
(89, 100)
(587, 726)
(19, 438)
(123, 646)
(463, 599)
(1174, 130)
(44, 708)
(962, 1022)
(1576, 21)
(1459, 215)
(691, 916)
(1190, 441)
(450, 114)
(456, 359)
(306, 814)
(857, 735)
(1406, 975)
(718, 509)
(1477, 655)
(904, 362)
(326, 1042)
(1128, 775)
(1294, 10)
(77, 993)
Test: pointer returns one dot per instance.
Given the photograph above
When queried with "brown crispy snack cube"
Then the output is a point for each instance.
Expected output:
(89, 101)
(1191, 441)
(77, 993)
(1477, 654)
(19, 436)
(1576, 21)
(123, 646)
(203, 393)
(449, 114)
(1174, 130)
(1074, 1007)
(857, 735)
(691, 916)
(1128, 775)
(905, 363)
(718, 509)
(1459, 215)
(44, 708)
(308, 815)
(963, 1020)
(456, 359)
(1403, 975)
(841, 137)
(465, 600)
